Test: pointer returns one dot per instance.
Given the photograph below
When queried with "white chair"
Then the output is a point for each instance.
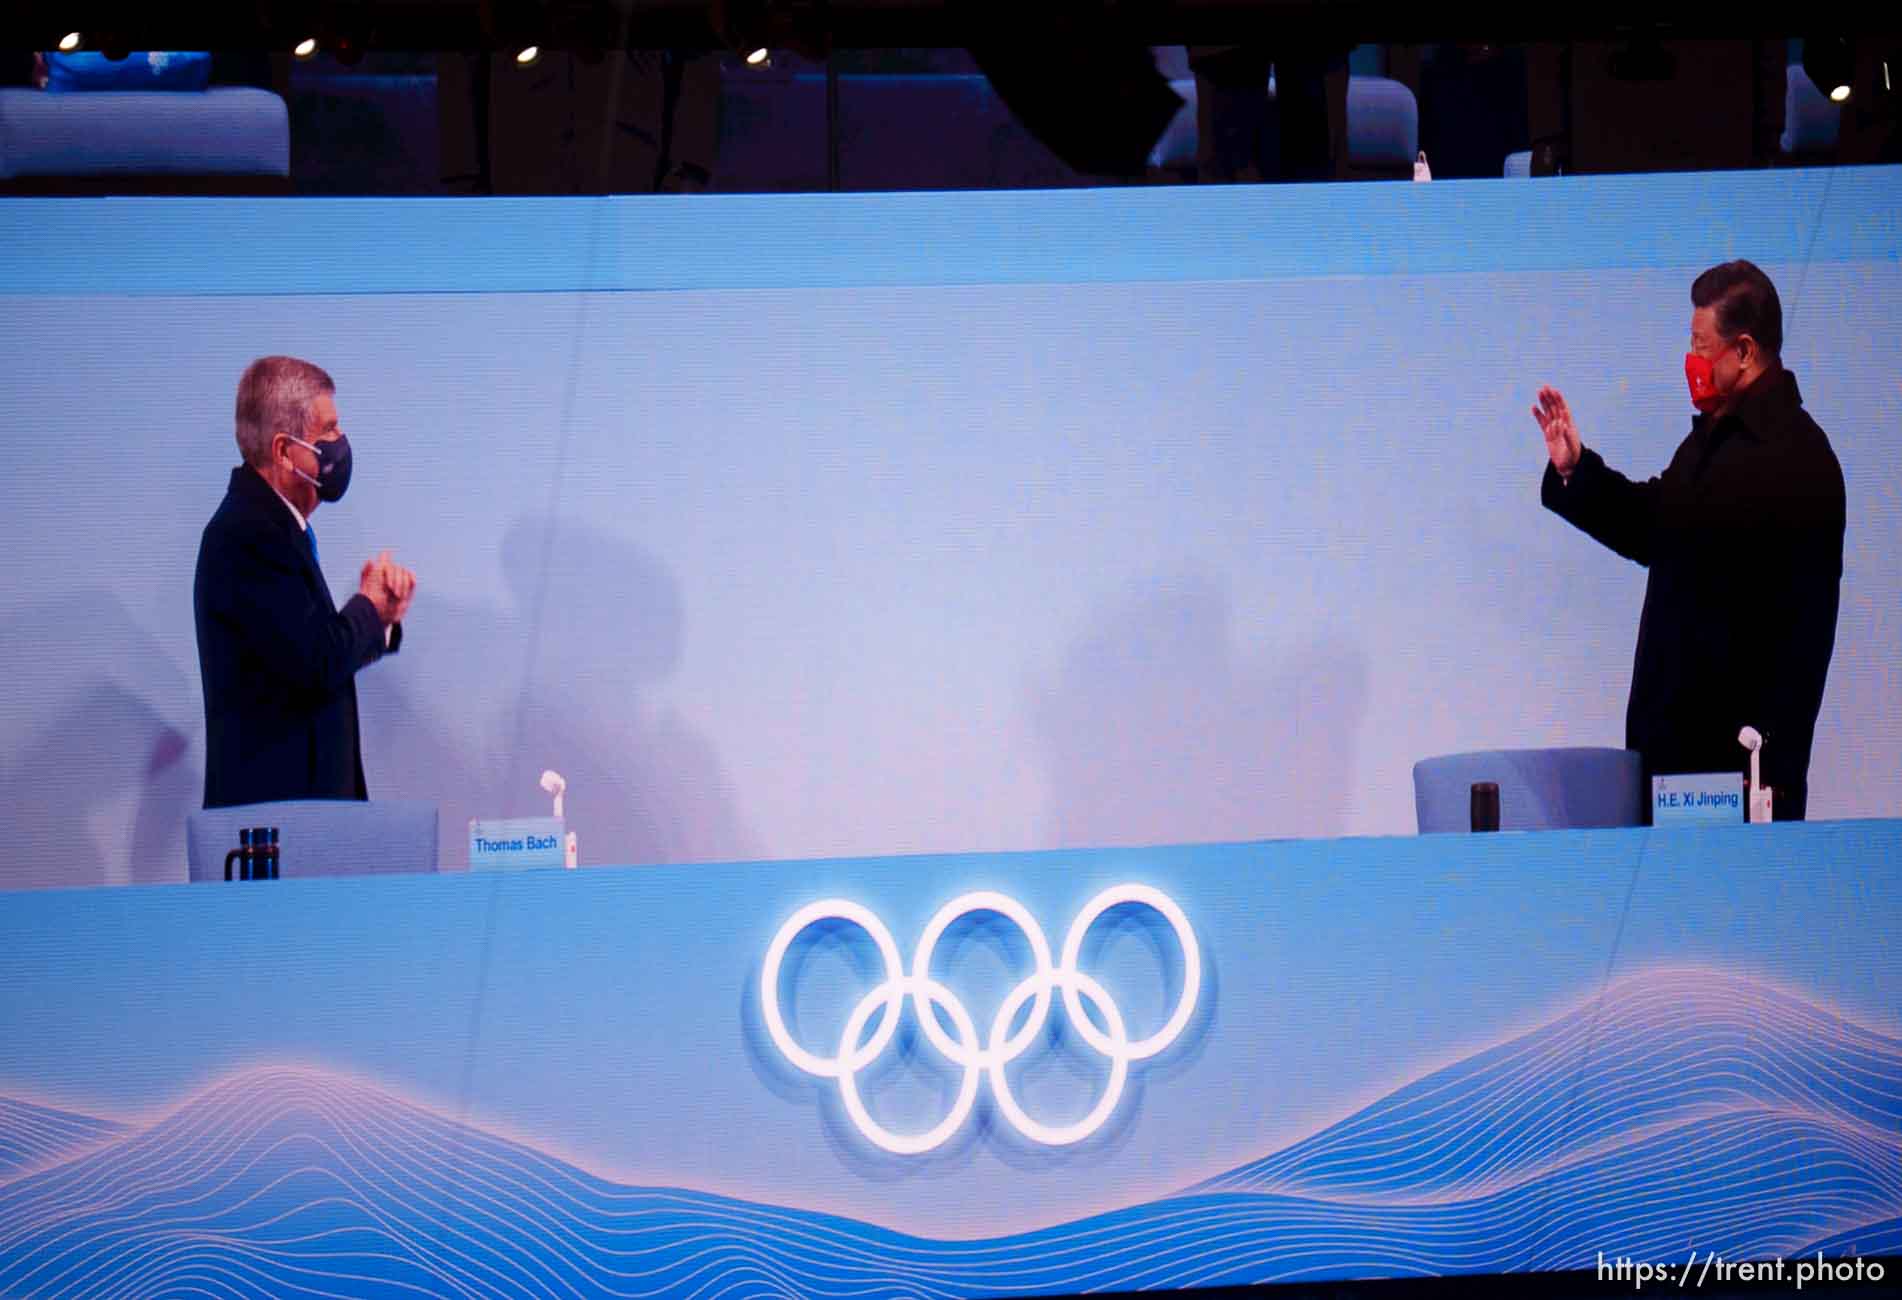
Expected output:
(1539, 789)
(320, 837)
(1811, 124)
(228, 132)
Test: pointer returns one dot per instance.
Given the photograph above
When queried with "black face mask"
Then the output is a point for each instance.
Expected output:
(333, 467)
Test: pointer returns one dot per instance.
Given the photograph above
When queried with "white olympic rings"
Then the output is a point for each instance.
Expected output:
(964, 1049)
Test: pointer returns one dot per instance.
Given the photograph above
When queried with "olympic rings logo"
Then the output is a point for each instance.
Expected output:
(1000, 1048)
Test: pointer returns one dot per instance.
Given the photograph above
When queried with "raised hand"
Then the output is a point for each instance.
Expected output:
(1561, 436)
(371, 585)
(401, 584)
(389, 586)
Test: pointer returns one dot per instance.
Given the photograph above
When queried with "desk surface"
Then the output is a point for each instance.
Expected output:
(1440, 1054)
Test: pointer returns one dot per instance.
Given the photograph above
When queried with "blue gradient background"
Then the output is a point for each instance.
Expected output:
(605, 1017)
(871, 524)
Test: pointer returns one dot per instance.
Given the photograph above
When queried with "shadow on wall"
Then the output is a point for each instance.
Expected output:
(1157, 731)
(482, 699)
(95, 780)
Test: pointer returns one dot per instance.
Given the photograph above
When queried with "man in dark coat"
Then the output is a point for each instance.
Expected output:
(1743, 535)
(277, 658)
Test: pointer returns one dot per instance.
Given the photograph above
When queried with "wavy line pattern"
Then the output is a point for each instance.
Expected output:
(33, 1135)
(1659, 1048)
(1683, 1108)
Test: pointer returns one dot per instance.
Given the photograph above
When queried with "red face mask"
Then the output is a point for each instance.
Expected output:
(1701, 373)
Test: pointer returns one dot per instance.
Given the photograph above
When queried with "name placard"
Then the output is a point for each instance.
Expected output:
(515, 843)
(1698, 797)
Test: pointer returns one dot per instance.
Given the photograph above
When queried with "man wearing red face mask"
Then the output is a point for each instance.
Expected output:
(1743, 537)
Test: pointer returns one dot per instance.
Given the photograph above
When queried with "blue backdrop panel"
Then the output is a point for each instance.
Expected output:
(853, 525)
(1288, 1060)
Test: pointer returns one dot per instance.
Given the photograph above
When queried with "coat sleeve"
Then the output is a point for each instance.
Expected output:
(261, 596)
(1605, 504)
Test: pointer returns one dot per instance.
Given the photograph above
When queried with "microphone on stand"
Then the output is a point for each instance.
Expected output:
(554, 783)
(1756, 795)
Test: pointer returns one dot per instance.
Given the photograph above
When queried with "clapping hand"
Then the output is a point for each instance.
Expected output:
(1561, 437)
(389, 586)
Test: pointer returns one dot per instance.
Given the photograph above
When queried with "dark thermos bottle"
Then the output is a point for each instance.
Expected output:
(1485, 805)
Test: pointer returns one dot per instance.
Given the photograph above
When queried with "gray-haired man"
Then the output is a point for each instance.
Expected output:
(277, 658)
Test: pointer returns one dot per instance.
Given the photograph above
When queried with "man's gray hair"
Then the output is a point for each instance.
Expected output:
(274, 396)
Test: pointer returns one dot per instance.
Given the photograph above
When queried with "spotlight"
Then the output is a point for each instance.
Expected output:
(69, 42)
(305, 49)
(528, 56)
(1830, 62)
(753, 29)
